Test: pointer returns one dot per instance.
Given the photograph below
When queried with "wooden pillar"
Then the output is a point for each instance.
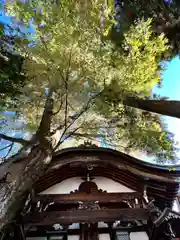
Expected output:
(65, 237)
(19, 232)
(94, 235)
(111, 233)
(89, 231)
(153, 235)
(65, 228)
(83, 231)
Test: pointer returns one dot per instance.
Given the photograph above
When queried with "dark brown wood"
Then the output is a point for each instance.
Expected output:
(111, 164)
(164, 107)
(111, 233)
(82, 232)
(88, 216)
(94, 232)
(76, 197)
(44, 233)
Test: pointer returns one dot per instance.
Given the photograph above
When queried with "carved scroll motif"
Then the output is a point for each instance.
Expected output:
(88, 187)
(89, 205)
(88, 144)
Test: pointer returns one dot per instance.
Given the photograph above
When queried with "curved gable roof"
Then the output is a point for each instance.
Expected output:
(129, 171)
(117, 159)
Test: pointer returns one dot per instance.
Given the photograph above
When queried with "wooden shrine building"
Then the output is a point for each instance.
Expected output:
(96, 193)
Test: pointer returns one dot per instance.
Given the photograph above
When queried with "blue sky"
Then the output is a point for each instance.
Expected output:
(171, 89)
(9, 20)
(170, 86)
(171, 80)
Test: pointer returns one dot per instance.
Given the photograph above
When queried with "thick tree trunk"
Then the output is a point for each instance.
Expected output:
(12, 194)
(168, 108)
(30, 169)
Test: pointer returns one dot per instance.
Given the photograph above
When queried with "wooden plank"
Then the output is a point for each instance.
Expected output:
(46, 233)
(76, 197)
(88, 216)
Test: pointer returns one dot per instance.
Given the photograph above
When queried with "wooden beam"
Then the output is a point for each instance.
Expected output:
(46, 233)
(76, 197)
(88, 216)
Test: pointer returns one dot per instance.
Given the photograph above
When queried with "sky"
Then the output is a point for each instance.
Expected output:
(170, 88)
(9, 20)
(9, 126)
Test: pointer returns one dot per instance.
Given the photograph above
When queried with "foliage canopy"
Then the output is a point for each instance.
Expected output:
(70, 61)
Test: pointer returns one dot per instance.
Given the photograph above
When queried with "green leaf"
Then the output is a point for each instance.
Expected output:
(2, 117)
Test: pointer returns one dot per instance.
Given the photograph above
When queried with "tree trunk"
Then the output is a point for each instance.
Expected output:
(171, 32)
(30, 168)
(168, 108)
(12, 194)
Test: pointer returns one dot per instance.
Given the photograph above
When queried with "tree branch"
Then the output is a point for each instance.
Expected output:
(11, 146)
(76, 116)
(60, 106)
(45, 125)
(66, 104)
(46, 48)
(92, 138)
(68, 136)
(15, 140)
(66, 88)
(74, 119)
(5, 147)
(86, 135)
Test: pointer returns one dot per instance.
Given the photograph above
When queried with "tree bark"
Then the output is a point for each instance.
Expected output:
(168, 108)
(31, 167)
(13, 139)
(12, 194)
(43, 132)
(171, 30)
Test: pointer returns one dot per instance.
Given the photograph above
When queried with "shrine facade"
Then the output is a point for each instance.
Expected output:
(101, 194)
